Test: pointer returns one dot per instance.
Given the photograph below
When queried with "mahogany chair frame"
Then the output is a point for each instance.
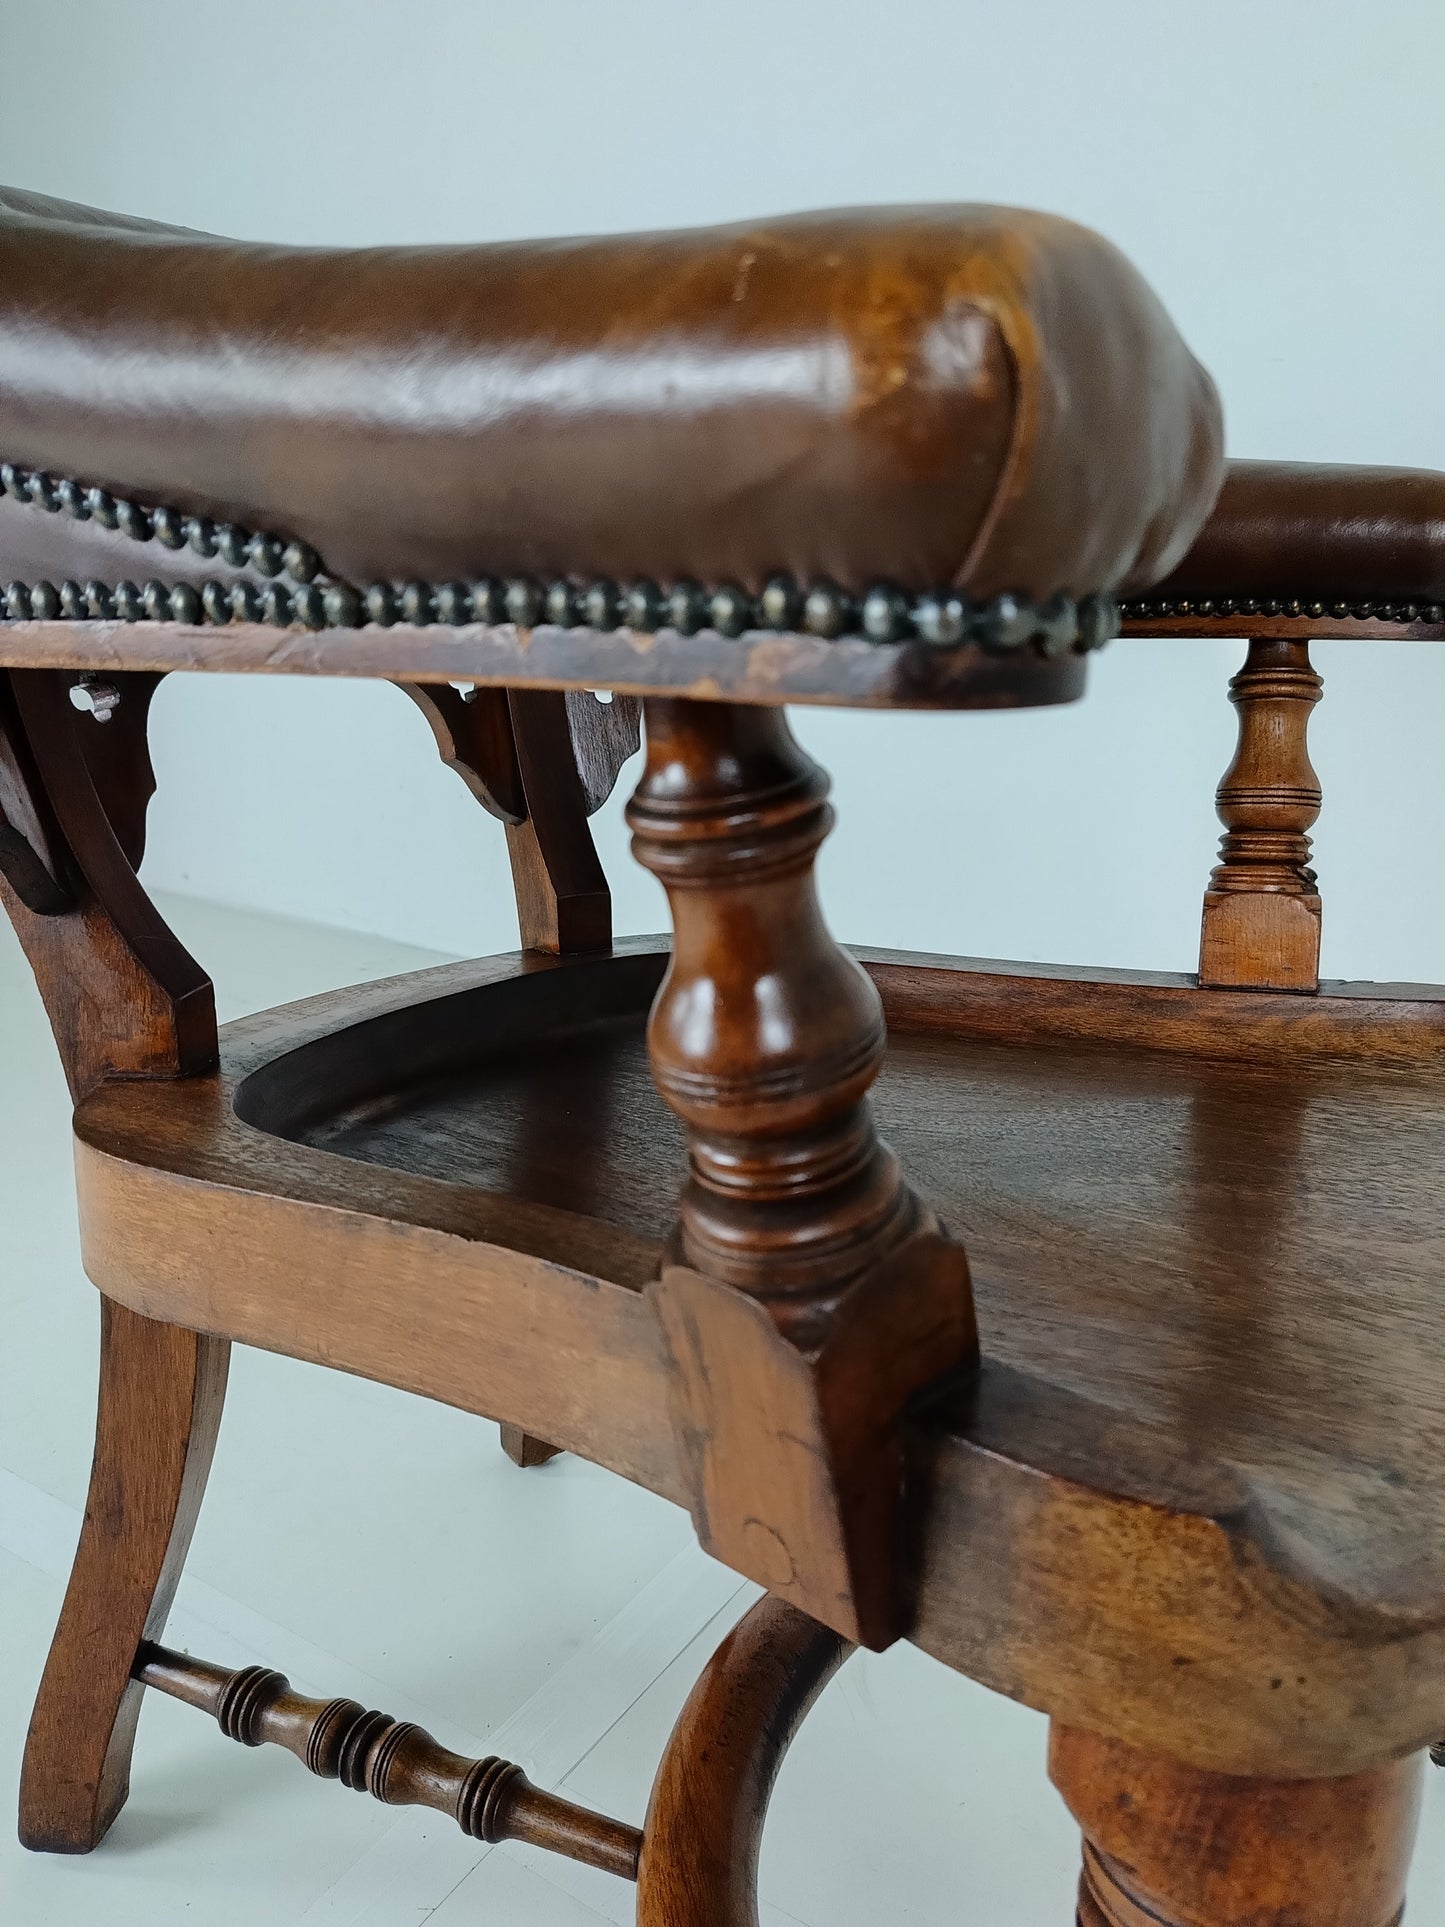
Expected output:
(875, 1489)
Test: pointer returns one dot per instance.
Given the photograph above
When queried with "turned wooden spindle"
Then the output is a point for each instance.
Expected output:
(1170, 1845)
(809, 1294)
(1261, 927)
(392, 1760)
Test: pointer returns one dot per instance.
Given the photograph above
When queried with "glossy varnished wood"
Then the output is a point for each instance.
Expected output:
(1196, 1498)
(1261, 923)
(807, 1294)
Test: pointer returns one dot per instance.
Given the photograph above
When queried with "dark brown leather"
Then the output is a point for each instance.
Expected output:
(931, 396)
(1305, 529)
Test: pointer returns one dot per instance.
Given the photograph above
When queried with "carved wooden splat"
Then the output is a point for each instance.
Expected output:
(474, 736)
(122, 994)
(117, 754)
(563, 903)
(543, 762)
(30, 845)
(604, 735)
(474, 733)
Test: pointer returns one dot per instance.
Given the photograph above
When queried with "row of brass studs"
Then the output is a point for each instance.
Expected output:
(884, 614)
(239, 548)
(1313, 610)
(214, 602)
(1001, 626)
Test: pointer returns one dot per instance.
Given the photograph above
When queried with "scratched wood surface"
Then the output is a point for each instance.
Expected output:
(755, 668)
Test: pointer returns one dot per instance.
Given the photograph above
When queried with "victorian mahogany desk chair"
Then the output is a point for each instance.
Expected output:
(1180, 1485)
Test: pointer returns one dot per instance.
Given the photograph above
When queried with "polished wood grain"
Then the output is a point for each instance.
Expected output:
(807, 1295)
(704, 1830)
(392, 1760)
(1365, 1022)
(749, 669)
(1261, 923)
(1195, 1500)
(1168, 1846)
(161, 1392)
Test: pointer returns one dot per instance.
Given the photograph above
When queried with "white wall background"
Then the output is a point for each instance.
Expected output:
(1276, 167)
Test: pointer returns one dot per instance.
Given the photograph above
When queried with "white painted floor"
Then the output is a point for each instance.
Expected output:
(369, 1543)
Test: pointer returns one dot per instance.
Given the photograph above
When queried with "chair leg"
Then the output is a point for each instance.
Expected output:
(524, 1450)
(699, 1862)
(1170, 1845)
(161, 1393)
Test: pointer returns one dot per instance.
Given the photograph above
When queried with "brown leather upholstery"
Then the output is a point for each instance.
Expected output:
(1302, 529)
(963, 396)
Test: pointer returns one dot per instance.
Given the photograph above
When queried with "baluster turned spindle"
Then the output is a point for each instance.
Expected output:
(392, 1760)
(808, 1295)
(1261, 927)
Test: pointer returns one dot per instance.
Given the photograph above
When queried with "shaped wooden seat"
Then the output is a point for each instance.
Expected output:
(1166, 1207)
